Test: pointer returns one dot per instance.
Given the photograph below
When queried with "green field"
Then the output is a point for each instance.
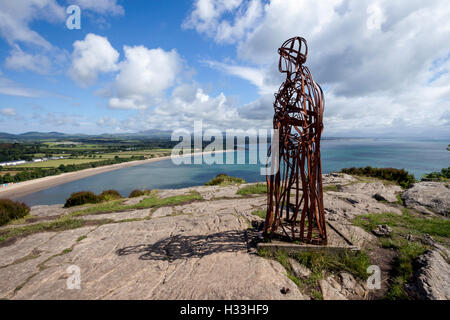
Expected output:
(92, 157)
(56, 163)
(77, 152)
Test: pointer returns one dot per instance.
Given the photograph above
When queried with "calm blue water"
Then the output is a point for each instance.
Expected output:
(417, 157)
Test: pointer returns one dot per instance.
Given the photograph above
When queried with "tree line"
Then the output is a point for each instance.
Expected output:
(34, 173)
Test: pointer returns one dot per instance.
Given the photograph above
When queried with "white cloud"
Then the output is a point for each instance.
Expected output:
(11, 88)
(260, 109)
(100, 6)
(15, 17)
(9, 112)
(245, 19)
(57, 119)
(384, 64)
(206, 13)
(207, 18)
(19, 60)
(189, 103)
(144, 76)
(375, 16)
(107, 121)
(256, 76)
(92, 56)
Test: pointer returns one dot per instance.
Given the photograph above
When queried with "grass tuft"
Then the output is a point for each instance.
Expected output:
(61, 224)
(81, 238)
(150, 202)
(407, 250)
(259, 188)
(260, 213)
(405, 223)
(321, 264)
(332, 187)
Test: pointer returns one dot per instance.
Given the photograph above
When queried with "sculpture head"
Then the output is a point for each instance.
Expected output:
(293, 54)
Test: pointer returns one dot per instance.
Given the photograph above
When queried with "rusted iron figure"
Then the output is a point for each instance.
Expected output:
(294, 193)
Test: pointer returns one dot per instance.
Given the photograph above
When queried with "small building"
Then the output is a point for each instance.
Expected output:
(13, 163)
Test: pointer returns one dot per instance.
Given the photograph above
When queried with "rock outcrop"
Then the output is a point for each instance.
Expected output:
(432, 279)
(377, 190)
(299, 270)
(428, 197)
(201, 250)
(382, 230)
(200, 253)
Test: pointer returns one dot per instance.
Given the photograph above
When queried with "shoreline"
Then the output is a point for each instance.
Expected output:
(24, 188)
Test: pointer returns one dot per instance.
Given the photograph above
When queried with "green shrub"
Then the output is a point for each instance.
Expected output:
(444, 175)
(137, 193)
(10, 210)
(223, 180)
(400, 176)
(4, 217)
(109, 195)
(79, 198)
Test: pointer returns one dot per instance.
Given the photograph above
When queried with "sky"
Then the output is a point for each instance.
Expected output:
(136, 65)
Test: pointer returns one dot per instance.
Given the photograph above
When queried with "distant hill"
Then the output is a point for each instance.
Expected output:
(145, 134)
(156, 133)
(36, 136)
(42, 135)
(7, 136)
(39, 136)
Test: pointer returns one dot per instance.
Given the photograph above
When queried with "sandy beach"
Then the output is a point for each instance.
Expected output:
(21, 189)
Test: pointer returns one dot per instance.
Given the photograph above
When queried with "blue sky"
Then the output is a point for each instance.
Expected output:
(136, 65)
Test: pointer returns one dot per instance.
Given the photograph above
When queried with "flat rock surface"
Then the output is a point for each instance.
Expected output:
(341, 205)
(374, 189)
(198, 250)
(119, 216)
(27, 256)
(201, 253)
(336, 178)
(207, 192)
(354, 234)
(47, 211)
(331, 289)
(427, 197)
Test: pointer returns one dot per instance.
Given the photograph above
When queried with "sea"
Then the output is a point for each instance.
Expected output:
(416, 156)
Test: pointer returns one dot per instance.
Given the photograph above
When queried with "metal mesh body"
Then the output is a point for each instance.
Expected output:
(295, 197)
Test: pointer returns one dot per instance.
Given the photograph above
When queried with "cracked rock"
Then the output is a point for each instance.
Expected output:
(427, 197)
(299, 270)
(432, 279)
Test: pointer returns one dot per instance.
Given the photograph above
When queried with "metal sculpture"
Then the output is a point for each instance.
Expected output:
(296, 188)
